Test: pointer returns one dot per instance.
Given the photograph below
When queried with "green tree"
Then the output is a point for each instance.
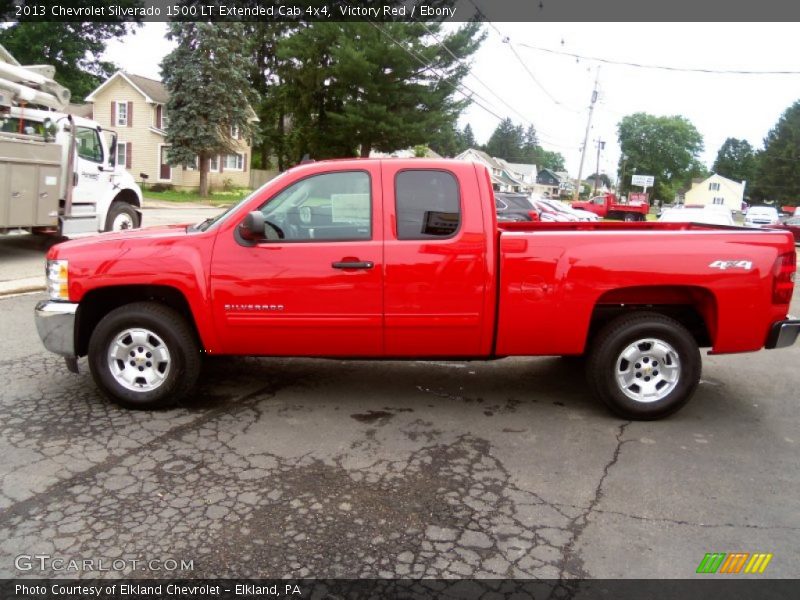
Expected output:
(602, 180)
(506, 141)
(73, 48)
(468, 138)
(341, 89)
(546, 159)
(778, 177)
(664, 147)
(736, 160)
(206, 75)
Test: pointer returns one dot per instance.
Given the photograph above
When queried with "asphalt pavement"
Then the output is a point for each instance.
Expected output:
(326, 468)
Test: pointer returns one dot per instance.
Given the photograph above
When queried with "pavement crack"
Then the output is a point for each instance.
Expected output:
(62, 487)
(579, 523)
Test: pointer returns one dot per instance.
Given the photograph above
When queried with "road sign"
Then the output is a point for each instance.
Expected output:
(643, 180)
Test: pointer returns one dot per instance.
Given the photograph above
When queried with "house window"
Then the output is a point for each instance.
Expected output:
(122, 154)
(161, 117)
(213, 163)
(122, 114)
(719, 200)
(713, 186)
(235, 132)
(234, 162)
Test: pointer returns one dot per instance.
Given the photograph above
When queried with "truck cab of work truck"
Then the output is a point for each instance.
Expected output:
(58, 172)
(405, 259)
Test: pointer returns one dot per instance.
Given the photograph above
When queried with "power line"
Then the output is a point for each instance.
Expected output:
(658, 67)
(507, 40)
(457, 87)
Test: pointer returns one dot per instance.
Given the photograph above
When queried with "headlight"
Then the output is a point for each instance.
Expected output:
(58, 279)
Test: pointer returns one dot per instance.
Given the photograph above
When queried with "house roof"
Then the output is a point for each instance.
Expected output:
(552, 174)
(482, 156)
(152, 90)
(523, 168)
(80, 110)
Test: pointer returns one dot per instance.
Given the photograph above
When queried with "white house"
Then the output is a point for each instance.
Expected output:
(716, 190)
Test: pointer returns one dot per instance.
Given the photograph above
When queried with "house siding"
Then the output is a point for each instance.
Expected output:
(731, 192)
(145, 143)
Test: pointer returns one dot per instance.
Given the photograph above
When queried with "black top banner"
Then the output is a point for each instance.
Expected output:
(402, 10)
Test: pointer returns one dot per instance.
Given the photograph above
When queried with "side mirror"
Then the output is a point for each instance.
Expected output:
(252, 228)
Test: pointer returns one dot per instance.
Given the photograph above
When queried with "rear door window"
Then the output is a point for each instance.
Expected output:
(428, 204)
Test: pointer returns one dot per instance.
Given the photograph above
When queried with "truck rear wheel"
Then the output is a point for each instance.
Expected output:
(144, 355)
(644, 366)
(121, 216)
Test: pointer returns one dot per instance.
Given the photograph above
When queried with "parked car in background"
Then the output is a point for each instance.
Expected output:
(698, 214)
(578, 213)
(548, 212)
(514, 207)
(761, 216)
(793, 225)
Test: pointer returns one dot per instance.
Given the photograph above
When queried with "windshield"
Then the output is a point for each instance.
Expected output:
(207, 224)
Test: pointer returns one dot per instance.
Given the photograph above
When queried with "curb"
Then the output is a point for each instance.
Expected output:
(22, 286)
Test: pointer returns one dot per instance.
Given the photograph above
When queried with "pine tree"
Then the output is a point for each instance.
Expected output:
(209, 92)
(468, 138)
(343, 89)
(777, 175)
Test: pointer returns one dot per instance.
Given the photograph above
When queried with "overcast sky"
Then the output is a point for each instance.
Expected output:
(719, 105)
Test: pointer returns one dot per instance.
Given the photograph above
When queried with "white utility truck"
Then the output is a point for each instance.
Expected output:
(58, 172)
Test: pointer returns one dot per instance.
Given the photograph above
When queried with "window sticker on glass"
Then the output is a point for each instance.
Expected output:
(350, 208)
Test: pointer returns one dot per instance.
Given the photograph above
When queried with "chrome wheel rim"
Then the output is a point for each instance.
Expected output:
(648, 370)
(122, 222)
(139, 360)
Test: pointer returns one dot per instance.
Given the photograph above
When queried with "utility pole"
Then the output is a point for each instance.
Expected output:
(586, 137)
(600, 145)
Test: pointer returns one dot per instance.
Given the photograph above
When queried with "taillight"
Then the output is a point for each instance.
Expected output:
(783, 278)
(533, 215)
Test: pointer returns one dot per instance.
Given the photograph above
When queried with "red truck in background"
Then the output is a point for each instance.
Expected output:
(405, 259)
(609, 206)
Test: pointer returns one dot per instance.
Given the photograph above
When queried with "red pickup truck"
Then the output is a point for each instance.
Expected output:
(398, 259)
(609, 206)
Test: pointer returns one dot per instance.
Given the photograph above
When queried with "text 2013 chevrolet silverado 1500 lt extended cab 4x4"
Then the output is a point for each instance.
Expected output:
(405, 259)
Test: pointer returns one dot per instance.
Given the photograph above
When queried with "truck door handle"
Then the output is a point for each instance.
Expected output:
(367, 264)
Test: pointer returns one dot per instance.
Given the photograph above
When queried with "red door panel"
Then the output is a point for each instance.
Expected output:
(435, 287)
(313, 296)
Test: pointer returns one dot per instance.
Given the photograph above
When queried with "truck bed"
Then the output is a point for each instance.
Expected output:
(554, 277)
(621, 226)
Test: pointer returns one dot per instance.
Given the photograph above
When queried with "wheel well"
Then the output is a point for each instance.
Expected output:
(128, 196)
(693, 307)
(98, 303)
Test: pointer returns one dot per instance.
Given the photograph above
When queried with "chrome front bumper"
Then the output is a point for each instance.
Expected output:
(55, 322)
(783, 333)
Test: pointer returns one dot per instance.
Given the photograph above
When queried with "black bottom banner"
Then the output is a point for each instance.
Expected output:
(388, 589)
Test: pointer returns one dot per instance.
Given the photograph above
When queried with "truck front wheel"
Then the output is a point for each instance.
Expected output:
(121, 216)
(644, 366)
(144, 355)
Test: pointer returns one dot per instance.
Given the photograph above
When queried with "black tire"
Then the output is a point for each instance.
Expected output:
(630, 217)
(118, 209)
(182, 366)
(605, 355)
